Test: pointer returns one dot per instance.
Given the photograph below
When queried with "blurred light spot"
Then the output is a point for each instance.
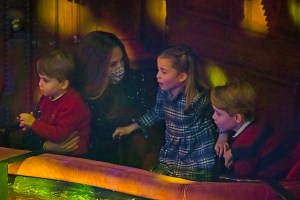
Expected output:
(174, 180)
(294, 8)
(254, 18)
(157, 11)
(216, 75)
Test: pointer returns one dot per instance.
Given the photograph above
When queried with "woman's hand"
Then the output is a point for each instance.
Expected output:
(65, 147)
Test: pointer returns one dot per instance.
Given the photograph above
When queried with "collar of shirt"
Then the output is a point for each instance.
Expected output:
(58, 96)
(171, 97)
(242, 128)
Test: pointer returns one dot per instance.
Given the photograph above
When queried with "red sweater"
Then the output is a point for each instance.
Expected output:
(258, 152)
(60, 118)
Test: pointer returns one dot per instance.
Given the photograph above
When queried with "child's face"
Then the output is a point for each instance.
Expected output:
(168, 78)
(224, 121)
(51, 86)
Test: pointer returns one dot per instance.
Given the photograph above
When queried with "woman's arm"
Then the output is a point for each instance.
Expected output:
(67, 146)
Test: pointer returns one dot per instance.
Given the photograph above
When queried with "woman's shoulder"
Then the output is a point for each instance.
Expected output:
(133, 78)
(74, 95)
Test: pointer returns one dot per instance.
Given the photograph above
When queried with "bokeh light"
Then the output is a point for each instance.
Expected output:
(294, 11)
(157, 11)
(254, 17)
(216, 75)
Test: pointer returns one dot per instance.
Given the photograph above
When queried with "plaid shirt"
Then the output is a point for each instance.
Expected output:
(189, 136)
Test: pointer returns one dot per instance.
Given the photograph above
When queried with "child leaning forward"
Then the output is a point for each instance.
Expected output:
(188, 151)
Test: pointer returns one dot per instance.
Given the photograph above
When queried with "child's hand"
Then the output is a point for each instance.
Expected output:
(121, 131)
(228, 159)
(222, 145)
(126, 130)
(26, 120)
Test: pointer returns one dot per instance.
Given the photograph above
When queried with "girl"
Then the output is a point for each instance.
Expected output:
(188, 151)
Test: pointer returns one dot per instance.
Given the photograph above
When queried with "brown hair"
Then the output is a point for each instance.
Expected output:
(93, 57)
(185, 61)
(58, 64)
(235, 97)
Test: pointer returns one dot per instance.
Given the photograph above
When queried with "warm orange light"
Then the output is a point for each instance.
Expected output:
(170, 179)
(156, 11)
(67, 17)
(46, 15)
(254, 18)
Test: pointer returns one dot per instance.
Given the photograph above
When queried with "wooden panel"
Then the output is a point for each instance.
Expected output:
(271, 62)
(15, 59)
(216, 10)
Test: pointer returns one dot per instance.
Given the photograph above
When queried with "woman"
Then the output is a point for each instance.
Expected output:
(116, 96)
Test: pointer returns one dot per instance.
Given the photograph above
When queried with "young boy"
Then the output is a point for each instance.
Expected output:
(256, 150)
(60, 111)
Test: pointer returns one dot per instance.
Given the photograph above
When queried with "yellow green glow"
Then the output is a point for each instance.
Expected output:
(25, 188)
(36, 188)
(294, 11)
(254, 18)
(215, 74)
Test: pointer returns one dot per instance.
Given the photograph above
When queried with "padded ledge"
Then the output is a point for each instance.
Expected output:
(105, 175)
(132, 180)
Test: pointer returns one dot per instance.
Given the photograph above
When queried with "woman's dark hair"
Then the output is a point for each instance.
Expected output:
(93, 57)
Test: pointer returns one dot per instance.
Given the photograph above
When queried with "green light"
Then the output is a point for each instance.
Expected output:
(30, 188)
(294, 10)
(215, 74)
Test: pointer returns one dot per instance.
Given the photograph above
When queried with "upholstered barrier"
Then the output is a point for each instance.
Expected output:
(132, 180)
(105, 175)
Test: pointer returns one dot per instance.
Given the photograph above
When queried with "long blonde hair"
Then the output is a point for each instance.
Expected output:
(184, 60)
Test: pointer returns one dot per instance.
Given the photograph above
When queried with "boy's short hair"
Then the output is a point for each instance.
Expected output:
(235, 97)
(59, 65)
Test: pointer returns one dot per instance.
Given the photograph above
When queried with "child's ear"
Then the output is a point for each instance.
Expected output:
(239, 118)
(65, 84)
(182, 77)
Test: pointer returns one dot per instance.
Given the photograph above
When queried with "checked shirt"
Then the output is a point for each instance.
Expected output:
(189, 135)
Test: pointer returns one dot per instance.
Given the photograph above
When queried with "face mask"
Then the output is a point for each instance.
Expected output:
(116, 75)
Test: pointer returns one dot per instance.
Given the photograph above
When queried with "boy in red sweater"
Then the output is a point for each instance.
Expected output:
(61, 111)
(256, 150)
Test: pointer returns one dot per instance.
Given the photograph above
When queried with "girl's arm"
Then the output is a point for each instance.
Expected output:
(126, 130)
(222, 144)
